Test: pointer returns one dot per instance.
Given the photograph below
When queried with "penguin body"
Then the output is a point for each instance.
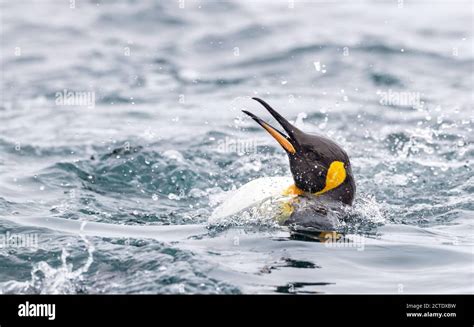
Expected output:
(250, 195)
(289, 209)
(321, 185)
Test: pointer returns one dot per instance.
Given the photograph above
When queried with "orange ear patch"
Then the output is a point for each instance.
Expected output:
(336, 176)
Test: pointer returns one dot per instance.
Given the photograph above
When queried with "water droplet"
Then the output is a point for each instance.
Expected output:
(317, 65)
(173, 196)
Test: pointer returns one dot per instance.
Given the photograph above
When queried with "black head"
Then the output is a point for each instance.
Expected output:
(318, 165)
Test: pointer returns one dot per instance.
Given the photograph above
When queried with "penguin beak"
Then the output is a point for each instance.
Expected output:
(289, 142)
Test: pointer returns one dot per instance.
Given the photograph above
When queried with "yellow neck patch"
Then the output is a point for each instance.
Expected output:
(293, 190)
(336, 176)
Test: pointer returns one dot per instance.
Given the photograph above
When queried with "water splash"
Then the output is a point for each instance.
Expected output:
(365, 216)
(46, 279)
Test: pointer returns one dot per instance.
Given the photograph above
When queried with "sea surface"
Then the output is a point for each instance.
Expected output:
(123, 118)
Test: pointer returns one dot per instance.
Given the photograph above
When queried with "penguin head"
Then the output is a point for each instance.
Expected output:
(318, 165)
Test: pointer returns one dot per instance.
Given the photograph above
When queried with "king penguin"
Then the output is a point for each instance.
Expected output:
(321, 179)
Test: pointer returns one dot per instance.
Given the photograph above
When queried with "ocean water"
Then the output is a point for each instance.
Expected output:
(121, 130)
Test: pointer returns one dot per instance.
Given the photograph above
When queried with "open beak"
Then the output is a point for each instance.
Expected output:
(287, 142)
